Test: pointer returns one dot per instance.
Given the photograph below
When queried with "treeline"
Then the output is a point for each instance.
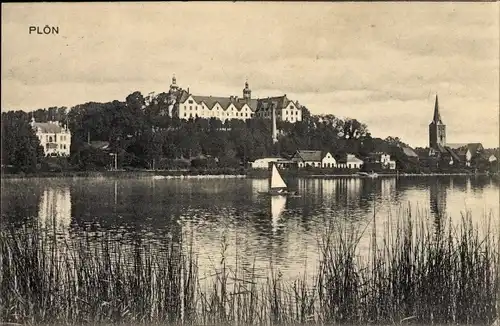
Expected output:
(143, 136)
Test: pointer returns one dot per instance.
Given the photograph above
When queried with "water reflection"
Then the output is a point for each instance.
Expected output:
(259, 185)
(387, 188)
(437, 203)
(278, 204)
(257, 227)
(55, 208)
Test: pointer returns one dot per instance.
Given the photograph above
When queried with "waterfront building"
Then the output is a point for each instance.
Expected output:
(305, 158)
(54, 138)
(467, 151)
(350, 161)
(264, 163)
(381, 160)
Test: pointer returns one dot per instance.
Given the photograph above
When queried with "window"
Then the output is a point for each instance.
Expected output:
(50, 139)
(190, 101)
(190, 108)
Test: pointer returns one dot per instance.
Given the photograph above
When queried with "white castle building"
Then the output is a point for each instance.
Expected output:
(185, 105)
(55, 139)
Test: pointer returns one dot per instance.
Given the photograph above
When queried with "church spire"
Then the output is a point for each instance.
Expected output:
(437, 130)
(437, 116)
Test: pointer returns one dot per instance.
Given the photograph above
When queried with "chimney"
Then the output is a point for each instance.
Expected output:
(275, 133)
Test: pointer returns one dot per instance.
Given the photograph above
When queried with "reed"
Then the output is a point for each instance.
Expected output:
(412, 273)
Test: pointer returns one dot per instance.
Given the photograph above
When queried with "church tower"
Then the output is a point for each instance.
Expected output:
(173, 87)
(247, 93)
(172, 96)
(437, 129)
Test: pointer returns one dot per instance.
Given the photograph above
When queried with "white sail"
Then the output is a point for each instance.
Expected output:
(276, 179)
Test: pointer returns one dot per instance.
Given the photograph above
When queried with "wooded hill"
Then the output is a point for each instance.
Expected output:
(143, 136)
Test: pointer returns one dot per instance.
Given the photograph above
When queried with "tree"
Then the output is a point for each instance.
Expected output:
(395, 141)
(353, 129)
(20, 146)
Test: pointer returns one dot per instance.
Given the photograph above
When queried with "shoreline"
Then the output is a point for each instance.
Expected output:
(218, 173)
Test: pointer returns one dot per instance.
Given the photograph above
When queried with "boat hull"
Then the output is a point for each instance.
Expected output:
(278, 193)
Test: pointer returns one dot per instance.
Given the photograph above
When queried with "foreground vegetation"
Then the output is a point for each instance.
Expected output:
(415, 273)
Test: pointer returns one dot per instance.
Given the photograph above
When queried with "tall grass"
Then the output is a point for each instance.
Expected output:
(411, 274)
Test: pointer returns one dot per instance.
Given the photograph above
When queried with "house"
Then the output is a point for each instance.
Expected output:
(318, 159)
(54, 138)
(409, 153)
(286, 110)
(382, 160)
(263, 163)
(466, 151)
(350, 161)
(328, 161)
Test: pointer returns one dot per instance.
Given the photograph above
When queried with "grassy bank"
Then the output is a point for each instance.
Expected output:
(412, 274)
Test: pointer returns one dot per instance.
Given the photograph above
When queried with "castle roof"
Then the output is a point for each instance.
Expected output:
(48, 127)
(224, 102)
(309, 155)
(279, 102)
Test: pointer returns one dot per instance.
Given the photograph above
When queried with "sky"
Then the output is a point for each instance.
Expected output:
(381, 63)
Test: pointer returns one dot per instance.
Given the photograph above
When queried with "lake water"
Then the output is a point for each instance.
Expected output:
(257, 229)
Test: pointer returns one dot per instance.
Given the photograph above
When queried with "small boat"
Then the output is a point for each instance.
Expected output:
(368, 175)
(277, 186)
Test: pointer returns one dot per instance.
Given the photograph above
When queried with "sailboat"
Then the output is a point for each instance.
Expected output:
(277, 185)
